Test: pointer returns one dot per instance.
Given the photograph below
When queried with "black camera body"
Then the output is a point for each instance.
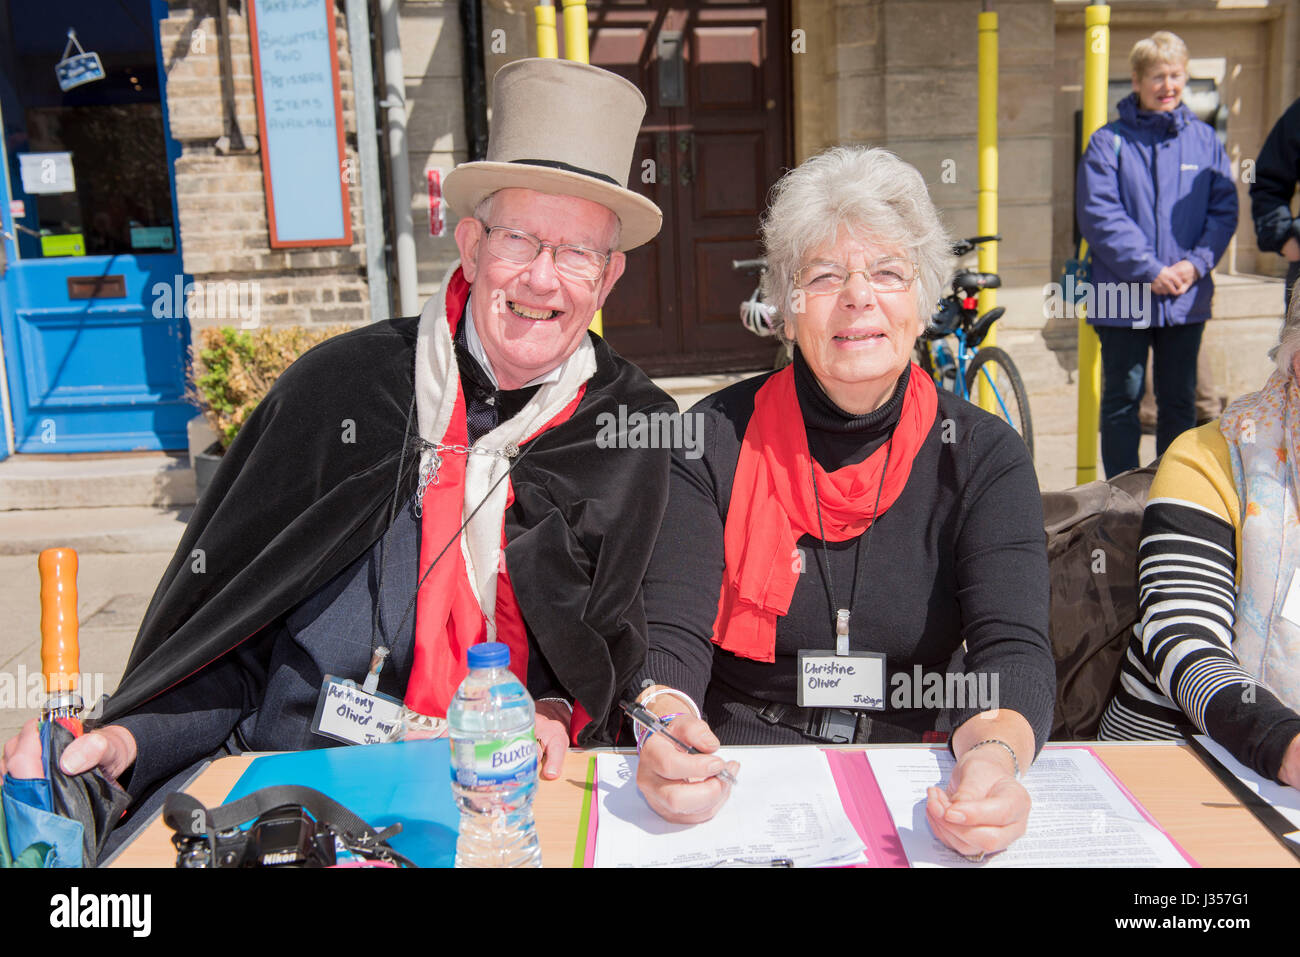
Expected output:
(284, 836)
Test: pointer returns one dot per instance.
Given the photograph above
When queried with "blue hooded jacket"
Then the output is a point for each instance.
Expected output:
(1152, 189)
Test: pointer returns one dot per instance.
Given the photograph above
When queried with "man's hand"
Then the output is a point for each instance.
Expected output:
(684, 788)
(112, 749)
(552, 730)
(984, 809)
(1291, 249)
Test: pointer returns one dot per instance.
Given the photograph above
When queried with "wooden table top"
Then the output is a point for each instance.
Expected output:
(1167, 778)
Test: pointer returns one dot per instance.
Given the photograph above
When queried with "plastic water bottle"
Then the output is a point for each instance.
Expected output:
(493, 763)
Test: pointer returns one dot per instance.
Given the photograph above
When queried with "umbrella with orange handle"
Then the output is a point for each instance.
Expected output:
(60, 652)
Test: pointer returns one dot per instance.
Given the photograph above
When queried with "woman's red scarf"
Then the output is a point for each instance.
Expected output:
(447, 615)
(772, 505)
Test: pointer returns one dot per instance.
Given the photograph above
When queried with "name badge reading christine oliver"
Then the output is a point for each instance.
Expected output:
(347, 713)
(855, 680)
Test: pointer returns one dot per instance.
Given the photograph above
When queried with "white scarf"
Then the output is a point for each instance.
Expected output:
(1262, 429)
(436, 377)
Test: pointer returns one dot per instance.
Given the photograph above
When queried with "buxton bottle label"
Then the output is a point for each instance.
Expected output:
(509, 761)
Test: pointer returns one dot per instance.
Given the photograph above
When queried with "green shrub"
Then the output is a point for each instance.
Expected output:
(233, 369)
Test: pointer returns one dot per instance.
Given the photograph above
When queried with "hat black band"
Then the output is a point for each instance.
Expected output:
(556, 164)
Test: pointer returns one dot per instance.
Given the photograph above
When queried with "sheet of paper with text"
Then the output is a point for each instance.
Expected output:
(786, 805)
(1080, 816)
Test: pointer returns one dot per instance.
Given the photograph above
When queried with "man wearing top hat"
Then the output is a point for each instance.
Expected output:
(419, 485)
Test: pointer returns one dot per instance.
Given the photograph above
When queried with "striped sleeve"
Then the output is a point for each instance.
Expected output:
(1187, 584)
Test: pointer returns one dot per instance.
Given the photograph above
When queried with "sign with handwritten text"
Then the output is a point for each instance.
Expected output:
(345, 712)
(300, 119)
(855, 680)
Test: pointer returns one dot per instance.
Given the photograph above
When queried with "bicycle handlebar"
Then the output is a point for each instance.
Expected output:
(963, 246)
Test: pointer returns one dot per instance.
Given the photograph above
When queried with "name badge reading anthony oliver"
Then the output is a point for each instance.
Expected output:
(347, 713)
(855, 680)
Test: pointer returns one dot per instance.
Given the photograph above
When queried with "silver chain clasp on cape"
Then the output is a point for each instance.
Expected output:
(429, 469)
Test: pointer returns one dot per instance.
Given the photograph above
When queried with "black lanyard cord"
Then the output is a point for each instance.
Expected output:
(857, 561)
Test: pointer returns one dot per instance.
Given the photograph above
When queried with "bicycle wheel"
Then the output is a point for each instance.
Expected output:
(1010, 401)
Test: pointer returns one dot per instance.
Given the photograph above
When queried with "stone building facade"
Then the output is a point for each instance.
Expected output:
(220, 191)
(895, 73)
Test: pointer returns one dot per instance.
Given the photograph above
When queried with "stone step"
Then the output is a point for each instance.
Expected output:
(145, 479)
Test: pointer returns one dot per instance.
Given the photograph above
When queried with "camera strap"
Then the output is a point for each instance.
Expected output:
(187, 816)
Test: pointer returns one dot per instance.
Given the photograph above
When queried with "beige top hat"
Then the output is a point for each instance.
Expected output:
(561, 127)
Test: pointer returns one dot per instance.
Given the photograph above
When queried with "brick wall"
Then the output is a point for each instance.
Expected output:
(220, 194)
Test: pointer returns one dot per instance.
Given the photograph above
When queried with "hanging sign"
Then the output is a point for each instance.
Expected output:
(437, 218)
(300, 118)
(77, 69)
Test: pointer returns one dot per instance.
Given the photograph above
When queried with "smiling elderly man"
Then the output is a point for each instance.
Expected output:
(419, 485)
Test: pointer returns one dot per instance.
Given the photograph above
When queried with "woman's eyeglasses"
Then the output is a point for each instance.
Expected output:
(884, 275)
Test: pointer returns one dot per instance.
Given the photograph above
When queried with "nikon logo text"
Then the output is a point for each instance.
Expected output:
(102, 910)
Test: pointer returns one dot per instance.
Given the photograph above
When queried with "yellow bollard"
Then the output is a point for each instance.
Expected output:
(547, 41)
(575, 31)
(575, 48)
(1096, 71)
(987, 144)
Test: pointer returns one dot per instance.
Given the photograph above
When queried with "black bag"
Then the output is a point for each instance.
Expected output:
(1092, 550)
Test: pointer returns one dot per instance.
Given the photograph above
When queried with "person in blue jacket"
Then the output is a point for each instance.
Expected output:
(1157, 205)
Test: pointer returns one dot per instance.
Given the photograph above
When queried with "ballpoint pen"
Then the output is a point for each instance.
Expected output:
(655, 725)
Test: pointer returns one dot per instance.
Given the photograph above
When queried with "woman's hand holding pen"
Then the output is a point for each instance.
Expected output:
(680, 787)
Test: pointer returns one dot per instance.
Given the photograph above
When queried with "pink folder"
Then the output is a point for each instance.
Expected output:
(865, 805)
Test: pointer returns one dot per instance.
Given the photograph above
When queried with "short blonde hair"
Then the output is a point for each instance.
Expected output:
(1161, 47)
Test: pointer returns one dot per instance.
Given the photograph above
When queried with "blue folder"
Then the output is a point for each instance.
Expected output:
(407, 782)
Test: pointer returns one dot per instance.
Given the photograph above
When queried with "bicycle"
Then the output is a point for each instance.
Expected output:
(958, 370)
(759, 317)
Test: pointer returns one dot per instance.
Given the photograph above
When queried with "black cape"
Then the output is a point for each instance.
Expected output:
(308, 485)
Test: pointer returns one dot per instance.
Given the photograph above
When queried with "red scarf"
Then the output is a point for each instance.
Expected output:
(772, 505)
(447, 615)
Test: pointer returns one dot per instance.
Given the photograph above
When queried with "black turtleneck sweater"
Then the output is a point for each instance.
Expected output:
(959, 557)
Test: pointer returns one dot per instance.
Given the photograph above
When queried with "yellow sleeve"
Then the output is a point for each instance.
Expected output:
(1196, 470)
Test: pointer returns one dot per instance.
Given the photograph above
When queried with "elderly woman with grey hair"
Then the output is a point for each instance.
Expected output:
(1217, 644)
(849, 528)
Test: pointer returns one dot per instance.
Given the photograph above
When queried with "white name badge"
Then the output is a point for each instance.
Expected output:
(855, 680)
(1291, 607)
(347, 713)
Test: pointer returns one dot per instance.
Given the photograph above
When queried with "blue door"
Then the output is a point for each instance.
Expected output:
(94, 340)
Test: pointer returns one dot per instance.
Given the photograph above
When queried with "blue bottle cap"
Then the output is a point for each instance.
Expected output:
(489, 654)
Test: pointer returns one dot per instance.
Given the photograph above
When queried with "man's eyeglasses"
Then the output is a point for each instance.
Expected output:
(517, 246)
(884, 275)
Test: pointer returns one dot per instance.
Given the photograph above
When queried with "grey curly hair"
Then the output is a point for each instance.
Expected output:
(872, 194)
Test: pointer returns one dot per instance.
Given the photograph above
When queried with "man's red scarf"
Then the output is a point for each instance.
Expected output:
(447, 615)
(772, 505)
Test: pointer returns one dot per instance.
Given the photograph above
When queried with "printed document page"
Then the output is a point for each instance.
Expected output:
(1285, 799)
(1080, 816)
(785, 806)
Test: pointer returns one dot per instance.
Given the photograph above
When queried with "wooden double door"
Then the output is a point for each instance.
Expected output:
(716, 136)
